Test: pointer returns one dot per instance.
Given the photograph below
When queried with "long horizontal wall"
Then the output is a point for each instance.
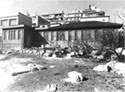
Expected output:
(67, 37)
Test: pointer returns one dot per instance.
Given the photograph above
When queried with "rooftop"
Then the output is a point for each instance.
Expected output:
(84, 25)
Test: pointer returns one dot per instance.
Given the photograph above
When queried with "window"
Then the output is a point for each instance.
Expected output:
(13, 33)
(77, 35)
(60, 35)
(52, 36)
(71, 35)
(46, 35)
(3, 22)
(76, 38)
(19, 34)
(12, 22)
(9, 35)
(5, 35)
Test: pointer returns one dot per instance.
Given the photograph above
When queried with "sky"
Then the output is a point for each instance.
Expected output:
(12, 7)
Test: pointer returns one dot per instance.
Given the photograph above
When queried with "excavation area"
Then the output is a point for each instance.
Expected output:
(22, 72)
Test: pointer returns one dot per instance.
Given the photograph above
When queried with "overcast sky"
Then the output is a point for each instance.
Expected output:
(10, 7)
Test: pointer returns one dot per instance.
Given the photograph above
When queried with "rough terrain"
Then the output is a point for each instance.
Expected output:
(54, 71)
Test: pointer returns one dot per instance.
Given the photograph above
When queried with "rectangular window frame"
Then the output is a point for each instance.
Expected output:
(2, 22)
(10, 21)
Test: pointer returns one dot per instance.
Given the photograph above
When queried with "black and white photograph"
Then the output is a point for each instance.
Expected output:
(62, 45)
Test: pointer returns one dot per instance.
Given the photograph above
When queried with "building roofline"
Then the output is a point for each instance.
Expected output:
(88, 17)
(95, 17)
(16, 26)
(84, 25)
(8, 16)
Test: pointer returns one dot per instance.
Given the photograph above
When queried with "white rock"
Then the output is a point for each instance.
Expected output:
(94, 52)
(72, 53)
(40, 67)
(105, 67)
(116, 66)
(51, 66)
(50, 88)
(100, 57)
(68, 56)
(100, 68)
(2, 56)
(123, 52)
(119, 50)
(74, 77)
(111, 64)
(77, 61)
(34, 51)
(5, 79)
(120, 68)
(54, 56)
(41, 52)
(46, 54)
(31, 67)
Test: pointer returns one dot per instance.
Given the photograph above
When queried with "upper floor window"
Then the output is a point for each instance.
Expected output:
(12, 22)
(3, 23)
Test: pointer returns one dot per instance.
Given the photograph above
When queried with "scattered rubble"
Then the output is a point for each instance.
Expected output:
(79, 74)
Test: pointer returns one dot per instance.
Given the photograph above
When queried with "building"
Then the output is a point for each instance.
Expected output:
(16, 32)
(40, 22)
(47, 20)
(89, 32)
(91, 14)
(56, 19)
(64, 29)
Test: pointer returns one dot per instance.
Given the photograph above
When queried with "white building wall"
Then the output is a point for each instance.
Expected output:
(103, 19)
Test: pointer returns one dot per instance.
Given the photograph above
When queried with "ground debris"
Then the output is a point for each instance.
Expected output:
(74, 77)
(50, 88)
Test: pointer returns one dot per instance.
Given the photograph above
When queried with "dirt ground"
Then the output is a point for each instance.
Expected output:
(55, 72)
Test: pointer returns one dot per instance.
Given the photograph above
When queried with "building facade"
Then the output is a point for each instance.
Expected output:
(58, 29)
(90, 32)
(16, 32)
(17, 37)
(56, 19)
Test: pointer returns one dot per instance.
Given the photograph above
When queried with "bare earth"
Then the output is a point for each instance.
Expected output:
(55, 71)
